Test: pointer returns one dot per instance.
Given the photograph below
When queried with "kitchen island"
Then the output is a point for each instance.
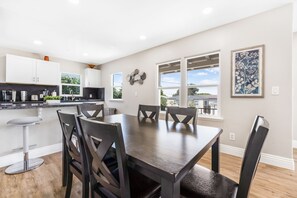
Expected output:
(45, 138)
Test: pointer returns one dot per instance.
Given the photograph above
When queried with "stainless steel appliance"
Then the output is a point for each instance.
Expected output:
(24, 95)
(6, 95)
(13, 95)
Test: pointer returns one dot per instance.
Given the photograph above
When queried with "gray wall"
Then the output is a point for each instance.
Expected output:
(273, 29)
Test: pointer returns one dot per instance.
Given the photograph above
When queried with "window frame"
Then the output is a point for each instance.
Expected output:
(205, 85)
(112, 86)
(170, 87)
(76, 85)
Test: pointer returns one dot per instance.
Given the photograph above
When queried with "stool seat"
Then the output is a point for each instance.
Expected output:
(27, 164)
(25, 121)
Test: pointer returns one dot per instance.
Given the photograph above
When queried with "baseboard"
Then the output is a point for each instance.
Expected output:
(295, 144)
(274, 160)
(38, 152)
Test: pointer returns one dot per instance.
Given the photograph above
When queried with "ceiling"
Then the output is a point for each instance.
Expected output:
(98, 31)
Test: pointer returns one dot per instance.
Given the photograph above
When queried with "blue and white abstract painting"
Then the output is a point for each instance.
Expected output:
(247, 72)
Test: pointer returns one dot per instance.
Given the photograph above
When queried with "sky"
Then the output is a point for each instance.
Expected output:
(197, 77)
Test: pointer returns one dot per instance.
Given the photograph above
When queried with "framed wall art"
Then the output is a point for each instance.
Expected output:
(248, 72)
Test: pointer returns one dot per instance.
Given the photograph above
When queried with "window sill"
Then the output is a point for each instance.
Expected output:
(210, 118)
(116, 100)
(204, 117)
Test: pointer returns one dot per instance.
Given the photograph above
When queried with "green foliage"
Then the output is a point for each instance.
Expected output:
(52, 98)
(117, 93)
(73, 79)
(193, 91)
(163, 100)
(67, 89)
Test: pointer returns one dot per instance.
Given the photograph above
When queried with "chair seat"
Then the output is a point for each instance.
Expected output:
(202, 182)
(143, 187)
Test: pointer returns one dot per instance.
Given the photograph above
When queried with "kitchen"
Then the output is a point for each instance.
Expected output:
(20, 98)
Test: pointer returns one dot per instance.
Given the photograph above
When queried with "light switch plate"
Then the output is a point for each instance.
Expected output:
(275, 90)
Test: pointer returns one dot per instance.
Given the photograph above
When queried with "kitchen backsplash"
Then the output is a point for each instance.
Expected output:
(31, 90)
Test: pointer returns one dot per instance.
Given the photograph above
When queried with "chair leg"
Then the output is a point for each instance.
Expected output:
(69, 184)
(85, 188)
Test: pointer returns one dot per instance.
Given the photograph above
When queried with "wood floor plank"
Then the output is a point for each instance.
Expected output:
(45, 182)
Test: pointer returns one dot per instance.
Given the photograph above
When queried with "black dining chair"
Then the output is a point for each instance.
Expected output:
(190, 113)
(202, 182)
(76, 159)
(144, 109)
(118, 181)
(90, 110)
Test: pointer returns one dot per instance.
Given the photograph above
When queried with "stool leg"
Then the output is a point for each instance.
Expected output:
(26, 146)
(27, 164)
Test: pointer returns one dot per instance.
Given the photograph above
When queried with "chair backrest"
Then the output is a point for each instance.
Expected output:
(143, 109)
(90, 110)
(107, 136)
(189, 112)
(73, 139)
(252, 155)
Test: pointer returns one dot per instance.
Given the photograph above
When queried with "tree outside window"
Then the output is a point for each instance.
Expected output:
(117, 90)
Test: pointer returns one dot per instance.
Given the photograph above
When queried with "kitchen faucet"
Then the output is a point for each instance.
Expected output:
(72, 96)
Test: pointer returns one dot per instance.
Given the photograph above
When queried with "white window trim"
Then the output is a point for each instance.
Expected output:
(111, 96)
(173, 87)
(219, 116)
(80, 85)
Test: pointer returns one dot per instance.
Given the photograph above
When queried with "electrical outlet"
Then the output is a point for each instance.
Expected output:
(232, 136)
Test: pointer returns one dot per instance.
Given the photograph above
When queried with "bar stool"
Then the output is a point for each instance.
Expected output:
(27, 164)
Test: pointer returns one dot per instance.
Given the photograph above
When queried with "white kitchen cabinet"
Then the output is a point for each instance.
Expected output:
(20, 69)
(92, 77)
(31, 71)
(47, 73)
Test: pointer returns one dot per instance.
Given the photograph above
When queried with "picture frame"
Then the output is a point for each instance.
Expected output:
(247, 72)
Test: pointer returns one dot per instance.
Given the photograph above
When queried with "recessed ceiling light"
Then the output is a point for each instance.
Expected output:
(85, 54)
(207, 10)
(37, 42)
(142, 37)
(74, 1)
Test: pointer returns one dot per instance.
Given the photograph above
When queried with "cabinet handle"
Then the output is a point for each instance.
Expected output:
(33, 79)
(37, 79)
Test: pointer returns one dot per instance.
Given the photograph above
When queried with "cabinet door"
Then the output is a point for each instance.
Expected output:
(47, 73)
(92, 78)
(20, 69)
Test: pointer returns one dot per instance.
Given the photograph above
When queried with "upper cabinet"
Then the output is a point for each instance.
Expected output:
(31, 71)
(92, 77)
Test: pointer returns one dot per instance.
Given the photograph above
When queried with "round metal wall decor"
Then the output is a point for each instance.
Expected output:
(136, 76)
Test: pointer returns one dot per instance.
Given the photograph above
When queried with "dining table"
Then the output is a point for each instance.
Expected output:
(165, 151)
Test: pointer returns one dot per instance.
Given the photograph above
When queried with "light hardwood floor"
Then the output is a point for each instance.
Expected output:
(45, 181)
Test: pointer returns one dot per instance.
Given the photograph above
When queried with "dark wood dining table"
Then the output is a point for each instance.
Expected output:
(165, 151)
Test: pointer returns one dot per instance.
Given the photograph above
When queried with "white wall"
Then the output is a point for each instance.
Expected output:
(294, 72)
(273, 29)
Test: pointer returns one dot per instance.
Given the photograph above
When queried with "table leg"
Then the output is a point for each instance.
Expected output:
(64, 163)
(169, 189)
(215, 156)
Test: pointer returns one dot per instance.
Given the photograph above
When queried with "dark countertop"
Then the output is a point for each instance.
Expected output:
(38, 104)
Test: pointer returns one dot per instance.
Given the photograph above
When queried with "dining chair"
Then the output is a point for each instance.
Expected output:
(190, 113)
(202, 182)
(118, 181)
(76, 159)
(90, 110)
(154, 111)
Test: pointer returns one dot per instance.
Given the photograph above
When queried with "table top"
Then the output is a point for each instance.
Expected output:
(166, 148)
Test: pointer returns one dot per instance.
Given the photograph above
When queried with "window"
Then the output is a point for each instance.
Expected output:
(203, 77)
(70, 84)
(117, 90)
(169, 84)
